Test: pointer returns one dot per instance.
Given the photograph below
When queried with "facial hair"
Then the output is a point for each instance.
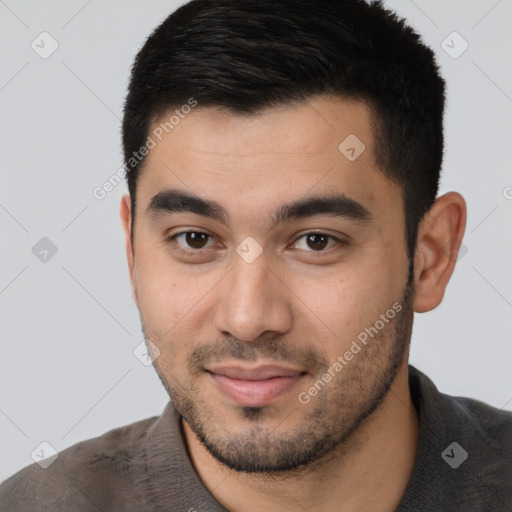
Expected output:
(322, 427)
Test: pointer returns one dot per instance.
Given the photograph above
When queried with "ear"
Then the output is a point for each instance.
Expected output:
(126, 220)
(440, 235)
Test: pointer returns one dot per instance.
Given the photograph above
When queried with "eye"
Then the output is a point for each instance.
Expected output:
(317, 242)
(193, 240)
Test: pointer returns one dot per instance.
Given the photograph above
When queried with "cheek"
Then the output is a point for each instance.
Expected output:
(345, 307)
(172, 301)
(160, 292)
(350, 299)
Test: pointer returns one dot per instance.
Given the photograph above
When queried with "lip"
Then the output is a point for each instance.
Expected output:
(252, 387)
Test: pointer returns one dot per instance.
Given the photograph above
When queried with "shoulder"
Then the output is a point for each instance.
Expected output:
(476, 419)
(493, 423)
(464, 452)
(484, 426)
(482, 435)
(83, 474)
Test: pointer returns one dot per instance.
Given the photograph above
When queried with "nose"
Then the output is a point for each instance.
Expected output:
(254, 302)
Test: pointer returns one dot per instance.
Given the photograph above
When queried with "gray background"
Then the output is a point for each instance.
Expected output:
(69, 325)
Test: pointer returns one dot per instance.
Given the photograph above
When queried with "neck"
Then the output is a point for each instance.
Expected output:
(369, 472)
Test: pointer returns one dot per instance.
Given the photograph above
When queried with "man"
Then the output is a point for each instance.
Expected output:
(282, 228)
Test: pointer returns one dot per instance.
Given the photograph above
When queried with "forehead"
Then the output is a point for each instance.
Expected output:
(318, 146)
(313, 126)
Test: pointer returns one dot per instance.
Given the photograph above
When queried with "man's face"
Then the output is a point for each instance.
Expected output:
(255, 334)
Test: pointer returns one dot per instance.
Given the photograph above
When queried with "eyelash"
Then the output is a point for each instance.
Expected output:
(199, 251)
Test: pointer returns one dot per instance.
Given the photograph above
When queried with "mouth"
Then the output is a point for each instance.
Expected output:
(254, 387)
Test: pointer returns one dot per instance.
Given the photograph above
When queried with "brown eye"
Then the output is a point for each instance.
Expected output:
(192, 239)
(317, 241)
(196, 240)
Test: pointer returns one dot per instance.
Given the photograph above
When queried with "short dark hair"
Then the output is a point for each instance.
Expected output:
(247, 55)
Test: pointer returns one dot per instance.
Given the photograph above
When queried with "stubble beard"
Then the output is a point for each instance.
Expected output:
(323, 427)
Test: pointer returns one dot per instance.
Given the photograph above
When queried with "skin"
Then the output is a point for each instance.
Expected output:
(353, 445)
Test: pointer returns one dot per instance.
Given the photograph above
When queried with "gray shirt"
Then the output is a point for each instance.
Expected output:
(463, 463)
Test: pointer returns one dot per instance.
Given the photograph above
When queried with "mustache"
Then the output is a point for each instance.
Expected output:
(268, 349)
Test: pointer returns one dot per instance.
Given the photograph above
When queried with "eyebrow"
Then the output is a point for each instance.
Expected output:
(337, 205)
